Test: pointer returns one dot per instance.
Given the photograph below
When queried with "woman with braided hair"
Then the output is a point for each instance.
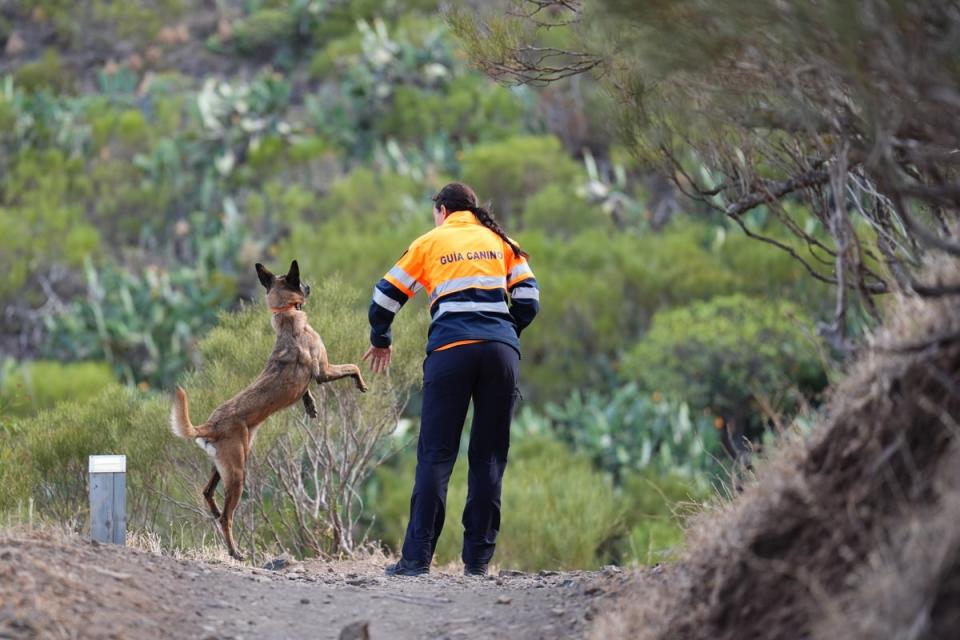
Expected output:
(482, 296)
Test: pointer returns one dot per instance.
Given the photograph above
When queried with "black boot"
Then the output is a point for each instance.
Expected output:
(404, 568)
(475, 570)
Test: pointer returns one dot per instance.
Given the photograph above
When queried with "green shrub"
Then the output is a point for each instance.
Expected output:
(557, 512)
(51, 451)
(42, 222)
(137, 19)
(727, 353)
(336, 56)
(557, 210)
(47, 73)
(509, 172)
(262, 32)
(38, 385)
(470, 109)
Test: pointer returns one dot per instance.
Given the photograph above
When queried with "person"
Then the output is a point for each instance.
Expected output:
(482, 295)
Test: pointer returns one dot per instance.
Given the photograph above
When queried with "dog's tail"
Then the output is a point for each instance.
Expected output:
(180, 423)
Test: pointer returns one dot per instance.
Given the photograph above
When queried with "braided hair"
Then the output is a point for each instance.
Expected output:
(457, 196)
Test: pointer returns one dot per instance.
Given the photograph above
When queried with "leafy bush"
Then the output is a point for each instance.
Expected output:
(728, 353)
(51, 450)
(47, 73)
(38, 385)
(466, 110)
(559, 211)
(263, 31)
(511, 171)
(43, 226)
(557, 511)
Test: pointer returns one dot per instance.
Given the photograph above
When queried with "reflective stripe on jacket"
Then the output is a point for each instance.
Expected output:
(478, 288)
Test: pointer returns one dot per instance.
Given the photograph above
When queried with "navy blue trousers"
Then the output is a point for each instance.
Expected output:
(488, 373)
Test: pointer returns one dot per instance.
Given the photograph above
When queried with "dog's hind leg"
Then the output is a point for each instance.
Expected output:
(232, 465)
(310, 404)
(209, 490)
(332, 372)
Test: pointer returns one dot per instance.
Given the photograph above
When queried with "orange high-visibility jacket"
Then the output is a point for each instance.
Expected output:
(478, 288)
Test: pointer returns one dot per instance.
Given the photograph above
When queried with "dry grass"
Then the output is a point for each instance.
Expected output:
(854, 533)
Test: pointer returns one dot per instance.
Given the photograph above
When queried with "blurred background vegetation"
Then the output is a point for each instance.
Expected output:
(151, 151)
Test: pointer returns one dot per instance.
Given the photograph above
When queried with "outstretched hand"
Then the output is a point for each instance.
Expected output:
(379, 358)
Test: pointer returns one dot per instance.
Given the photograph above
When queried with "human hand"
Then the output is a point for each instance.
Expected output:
(379, 358)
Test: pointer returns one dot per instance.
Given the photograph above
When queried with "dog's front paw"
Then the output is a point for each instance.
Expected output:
(312, 413)
(362, 386)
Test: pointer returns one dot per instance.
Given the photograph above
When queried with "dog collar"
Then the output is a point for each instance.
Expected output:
(284, 308)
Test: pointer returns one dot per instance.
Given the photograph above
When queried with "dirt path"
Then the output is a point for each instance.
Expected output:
(56, 587)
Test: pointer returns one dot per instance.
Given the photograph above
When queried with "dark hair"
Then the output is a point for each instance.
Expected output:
(457, 196)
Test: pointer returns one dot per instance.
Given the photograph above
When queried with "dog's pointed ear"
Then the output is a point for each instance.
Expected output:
(293, 275)
(266, 278)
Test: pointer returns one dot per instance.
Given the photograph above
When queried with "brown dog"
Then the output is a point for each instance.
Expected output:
(297, 358)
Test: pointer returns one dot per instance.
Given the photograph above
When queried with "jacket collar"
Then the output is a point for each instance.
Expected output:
(461, 217)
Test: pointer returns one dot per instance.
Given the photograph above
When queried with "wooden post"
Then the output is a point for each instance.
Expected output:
(108, 499)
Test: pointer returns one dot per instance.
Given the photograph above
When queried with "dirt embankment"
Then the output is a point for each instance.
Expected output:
(53, 586)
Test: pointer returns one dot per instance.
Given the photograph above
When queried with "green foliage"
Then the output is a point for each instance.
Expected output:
(137, 19)
(38, 385)
(48, 457)
(350, 111)
(557, 511)
(728, 352)
(509, 172)
(52, 449)
(47, 73)
(144, 326)
(42, 224)
(466, 110)
(631, 430)
(364, 224)
(557, 210)
(657, 505)
(263, 31)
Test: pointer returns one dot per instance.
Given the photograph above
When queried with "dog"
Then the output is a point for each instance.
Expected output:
(298, 358)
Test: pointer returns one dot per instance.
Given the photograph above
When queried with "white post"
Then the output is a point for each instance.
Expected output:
(108, 497)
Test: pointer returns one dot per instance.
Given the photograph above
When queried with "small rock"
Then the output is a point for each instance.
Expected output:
(612, 570)
(504, 600)
(304, 601)
(356, 631)
(558, 611)
(280, 562)
(510, 573)
(546, 574)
